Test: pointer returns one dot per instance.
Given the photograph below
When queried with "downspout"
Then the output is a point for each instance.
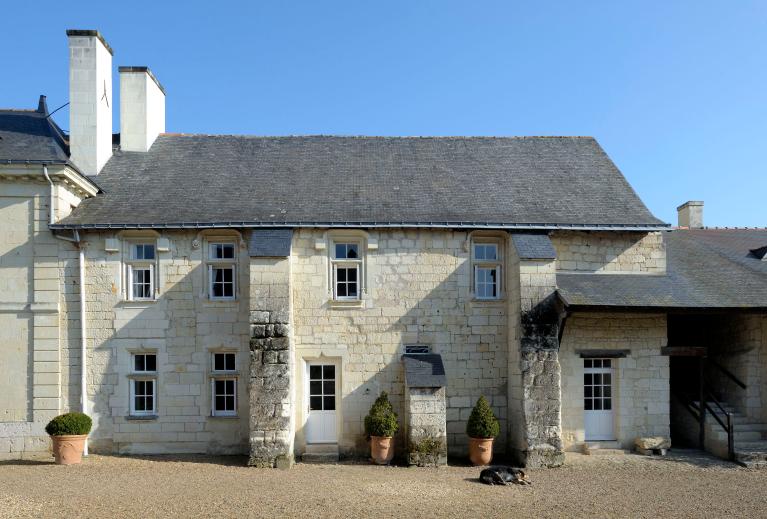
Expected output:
(83, 336)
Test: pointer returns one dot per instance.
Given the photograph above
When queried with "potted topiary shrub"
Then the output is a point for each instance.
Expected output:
(482, 429)
(381, 425)
(68, 432)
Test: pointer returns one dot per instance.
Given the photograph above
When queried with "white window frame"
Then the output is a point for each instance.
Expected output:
(347, 263)
(221, 263)
(143, 376)
(487, 264)
(133, 264)
(223, 376)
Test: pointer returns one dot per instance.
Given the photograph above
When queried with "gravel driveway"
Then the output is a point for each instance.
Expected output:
(681, 485)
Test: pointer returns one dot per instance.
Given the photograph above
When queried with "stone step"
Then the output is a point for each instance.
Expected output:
(752, 459)
(320, 457)
(740, 435)
(321, 448)
(751, 446)
(602, 448)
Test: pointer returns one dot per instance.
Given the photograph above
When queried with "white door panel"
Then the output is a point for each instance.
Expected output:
(321, 397)
(598, 399)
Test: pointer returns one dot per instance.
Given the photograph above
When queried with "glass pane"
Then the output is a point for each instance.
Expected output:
(149, 403)
(220, 403)
(352, 289)
(597, 390)
(315, 372)
(351, 251)
(329, 371)
(479, 252)
(607, 391)
(139, 404)
(597, 404)
(218, 275)
(140, 388)
(229, 403)
(230, 361)
(315, 387)
(340, 250)
(587, 363)
(329, 387)
(597, 363)
(587, 379)
(597, 378)
(341, 290)
(606, 363)
(151, 362)
(341, 274)
(218, 362)
(138, 363)
(491, 251)
(227, 251)
(587, 404)
(351, 275)
(607, 404)
(587, 391)
(229, 385)
(315, 403)
(607, 377)
(218, 290)
(220, 387)
(330, 403)
(149, 387)
(228, 290)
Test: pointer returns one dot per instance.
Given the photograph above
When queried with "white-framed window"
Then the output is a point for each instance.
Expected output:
(347, 263)
(222, 271)
(486, 259)
(143, 385)
(223, 384)
(140, 271)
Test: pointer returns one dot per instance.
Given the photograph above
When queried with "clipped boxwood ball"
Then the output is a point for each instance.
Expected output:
(69, 423)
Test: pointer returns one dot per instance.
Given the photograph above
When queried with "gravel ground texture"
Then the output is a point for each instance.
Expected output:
(683, 484)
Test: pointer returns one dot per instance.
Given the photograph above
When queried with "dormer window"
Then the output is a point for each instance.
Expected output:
(347, 270)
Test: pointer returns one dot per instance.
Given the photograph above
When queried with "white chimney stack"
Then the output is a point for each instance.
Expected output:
(142, 108)
(90, 100)
(691, 214)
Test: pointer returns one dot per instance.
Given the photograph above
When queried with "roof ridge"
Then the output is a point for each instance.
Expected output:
(393, 137)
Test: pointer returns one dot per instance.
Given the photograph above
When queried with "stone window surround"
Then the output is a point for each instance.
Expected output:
(220, 375)
(134, 376)
(202, 241)
(487, 237)
(365, 243)
(129, 238)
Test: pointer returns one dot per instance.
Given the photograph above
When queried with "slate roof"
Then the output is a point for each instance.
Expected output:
(707, 268)
(30, 135)
(202, 181)
(270, 243)
(424, 370)
(533, 246)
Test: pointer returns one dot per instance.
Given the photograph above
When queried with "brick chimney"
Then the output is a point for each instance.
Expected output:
(142, 108)
(90, 100)
(690, 214)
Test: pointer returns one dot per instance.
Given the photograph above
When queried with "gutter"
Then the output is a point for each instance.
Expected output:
(380, 225)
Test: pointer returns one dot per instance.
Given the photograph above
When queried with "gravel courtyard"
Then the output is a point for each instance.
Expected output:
(680, 485)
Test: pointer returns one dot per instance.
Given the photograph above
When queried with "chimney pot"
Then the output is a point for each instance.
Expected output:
(691, 214)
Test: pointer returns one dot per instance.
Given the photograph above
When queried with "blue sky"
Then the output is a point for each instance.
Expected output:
(676, 92)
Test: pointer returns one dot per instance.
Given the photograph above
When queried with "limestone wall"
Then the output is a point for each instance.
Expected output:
(611, 252)
(182, 326)
(418, 292)
(641, 385)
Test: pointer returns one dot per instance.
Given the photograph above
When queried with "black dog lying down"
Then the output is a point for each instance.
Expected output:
(503, 476)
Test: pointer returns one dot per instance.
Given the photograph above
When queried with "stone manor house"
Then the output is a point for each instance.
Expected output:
(254, 295)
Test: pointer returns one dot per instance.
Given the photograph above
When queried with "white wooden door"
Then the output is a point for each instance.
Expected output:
(321, 396)
(598, 405)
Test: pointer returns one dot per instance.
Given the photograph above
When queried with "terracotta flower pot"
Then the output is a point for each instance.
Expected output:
(481, 450)
(68, 449)
(381, 449)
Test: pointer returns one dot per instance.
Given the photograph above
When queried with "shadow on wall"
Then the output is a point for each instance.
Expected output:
(426, 301)
(182, 327)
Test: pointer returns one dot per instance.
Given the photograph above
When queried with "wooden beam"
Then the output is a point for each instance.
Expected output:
(684, 351)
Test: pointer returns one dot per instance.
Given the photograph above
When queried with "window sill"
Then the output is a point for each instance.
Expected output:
(142, 417)
(225, 417)
(149, 375)
(136, 303)
(340, 304)
(488, 302)
(220, 302)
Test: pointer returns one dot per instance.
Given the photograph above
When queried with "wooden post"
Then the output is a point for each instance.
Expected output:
(702, 403)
